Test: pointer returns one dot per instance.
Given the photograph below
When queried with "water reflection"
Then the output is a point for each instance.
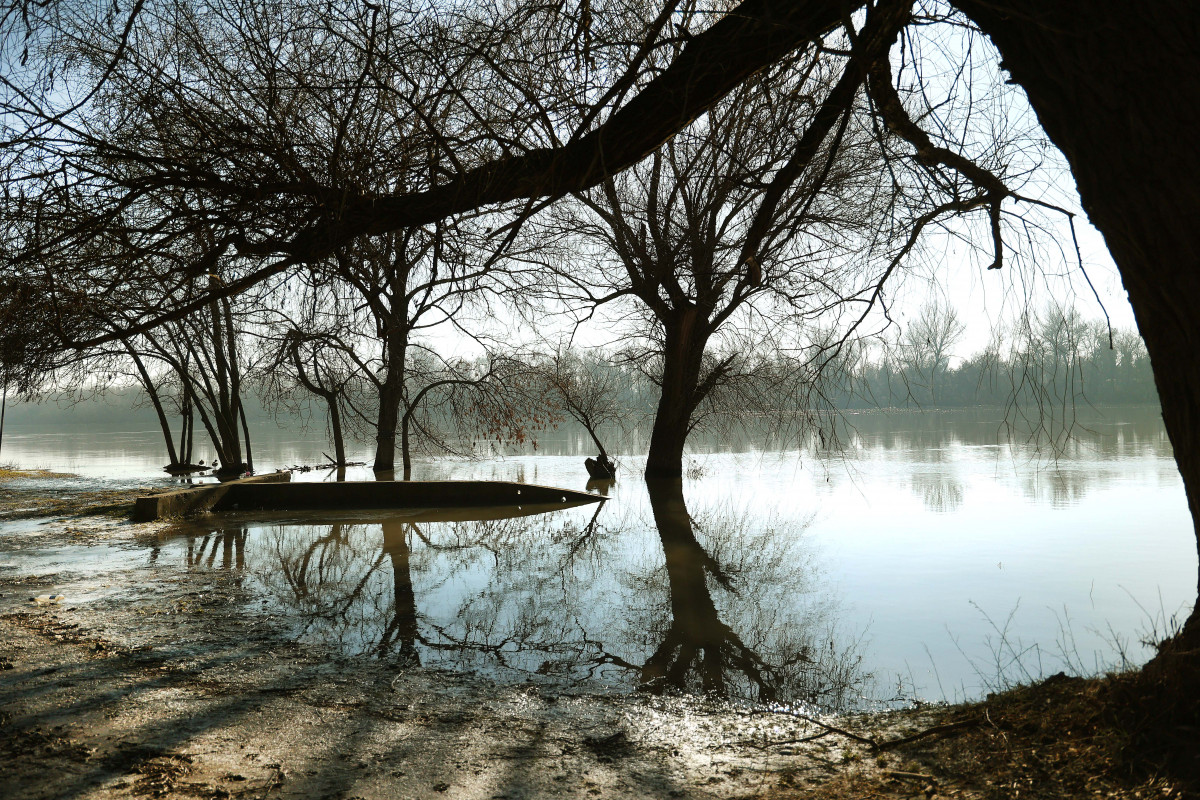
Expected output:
(937, 434)
(401, 633)
(202, 550)
(601, 487)
(656, 598)
(697, 650)
(747, 614)
(923, 519)
(941, 491)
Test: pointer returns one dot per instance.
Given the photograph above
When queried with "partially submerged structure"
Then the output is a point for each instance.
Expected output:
(277, 492)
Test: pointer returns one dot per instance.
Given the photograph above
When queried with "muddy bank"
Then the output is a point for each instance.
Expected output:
(155, 682)
(150, 680)
(42, 494)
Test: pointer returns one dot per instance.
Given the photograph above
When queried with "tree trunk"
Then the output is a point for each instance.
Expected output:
(683, 353)
(391, 396)
(405, 451)
(152, 392)
(3, 408)
(185, 431)
(385, 426)
(1115, 87)
(241, 411)
(335, 430)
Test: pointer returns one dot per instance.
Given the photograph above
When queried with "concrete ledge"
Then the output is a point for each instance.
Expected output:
(200, 499)
(276, 493)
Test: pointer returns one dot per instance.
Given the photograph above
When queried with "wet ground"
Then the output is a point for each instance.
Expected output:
(196, 660)
(153, 681)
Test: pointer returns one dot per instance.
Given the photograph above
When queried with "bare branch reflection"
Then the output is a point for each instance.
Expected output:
(645, 595)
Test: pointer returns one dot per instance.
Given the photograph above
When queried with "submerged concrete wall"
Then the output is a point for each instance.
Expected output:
(199, 499)
(261, 494)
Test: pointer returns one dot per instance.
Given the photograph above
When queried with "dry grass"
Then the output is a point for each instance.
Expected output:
(10, 472)
(28, 501)
(1062, 738)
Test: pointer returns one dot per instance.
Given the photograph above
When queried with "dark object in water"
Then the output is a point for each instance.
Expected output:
(228, 472)
(600, 486)
(184, 469)
(601, 468)
(276, 492)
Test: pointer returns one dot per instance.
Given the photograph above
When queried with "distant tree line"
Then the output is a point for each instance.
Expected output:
(1051, 358)
(1047, 364)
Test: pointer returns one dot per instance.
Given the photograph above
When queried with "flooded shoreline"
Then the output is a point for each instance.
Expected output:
(668, 643)
(928, 548)
(152, 680)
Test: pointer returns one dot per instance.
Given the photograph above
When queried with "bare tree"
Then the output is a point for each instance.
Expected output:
(700, 260)
(927, 343)
(588, 386)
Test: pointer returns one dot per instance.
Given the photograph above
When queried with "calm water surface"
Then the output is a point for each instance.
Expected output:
(930, 558)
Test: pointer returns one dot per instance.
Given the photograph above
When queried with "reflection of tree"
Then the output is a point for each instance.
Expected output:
(940, 490)
(568, 595)
(697, 641)
(202, 550)
(401, 630)
(744, 617)
(1065, 485)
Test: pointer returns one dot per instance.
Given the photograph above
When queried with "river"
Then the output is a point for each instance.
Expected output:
(931, 556)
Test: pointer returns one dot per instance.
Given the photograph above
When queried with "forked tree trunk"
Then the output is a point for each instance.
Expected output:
(1117, 87)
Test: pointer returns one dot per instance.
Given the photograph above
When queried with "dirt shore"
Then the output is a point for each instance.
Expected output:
(168, 687)
(158, 682)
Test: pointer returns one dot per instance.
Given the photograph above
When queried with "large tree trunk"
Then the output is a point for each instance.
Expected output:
(405, 447)
(1117, 87)
(683, 354)
(391, 396)
(385, 429)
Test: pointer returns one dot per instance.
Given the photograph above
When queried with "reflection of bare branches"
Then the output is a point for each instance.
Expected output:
(543, 594)
(587, 538)
(940, 491)
(696, 638)
(232, 544)
(296, 574)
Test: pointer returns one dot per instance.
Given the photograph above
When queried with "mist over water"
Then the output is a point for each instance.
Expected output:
(931, 556)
